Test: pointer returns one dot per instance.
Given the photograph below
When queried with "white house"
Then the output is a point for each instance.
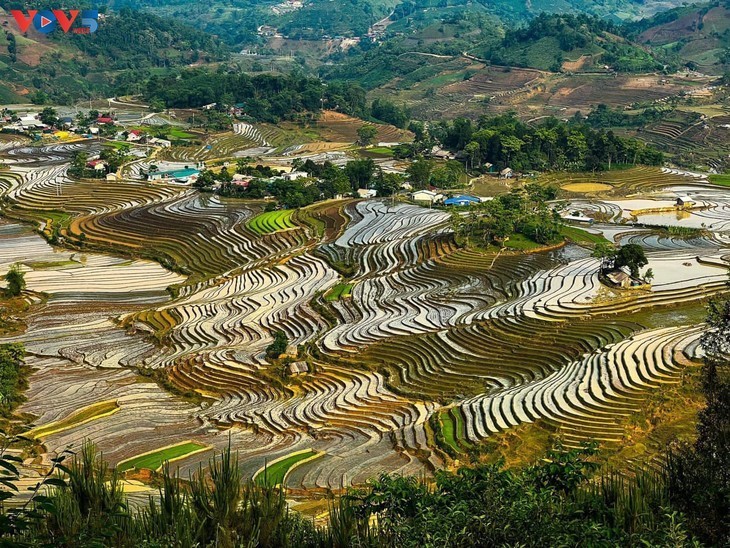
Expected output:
(134, 136)
(367, 193)
(295, 175)
(506, 173)
(164, 143)
(426, 196)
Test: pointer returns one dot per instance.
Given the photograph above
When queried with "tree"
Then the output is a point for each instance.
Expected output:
(699, 474)
(649, 275)
(49, 116)
(419, 172)
(511, 145)
(366, 134)
(15, 279)
(11, 380)
(631, 256)
(472, 150)
(388, 184)
(278, 347)
(606, 252)
(360, 173)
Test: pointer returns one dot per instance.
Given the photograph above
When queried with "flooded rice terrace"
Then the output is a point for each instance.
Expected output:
(155, 324)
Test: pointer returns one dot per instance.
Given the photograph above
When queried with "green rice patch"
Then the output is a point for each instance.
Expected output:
(274, 474)
(155, 459)
(272, 221)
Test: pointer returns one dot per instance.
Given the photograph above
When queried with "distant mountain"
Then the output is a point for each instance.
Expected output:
(572, 43)
(237, 21)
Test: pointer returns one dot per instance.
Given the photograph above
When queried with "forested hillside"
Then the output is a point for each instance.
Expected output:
(62, 68)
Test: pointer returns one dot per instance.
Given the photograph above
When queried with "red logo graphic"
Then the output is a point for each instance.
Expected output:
(64, 21)
(23, 21)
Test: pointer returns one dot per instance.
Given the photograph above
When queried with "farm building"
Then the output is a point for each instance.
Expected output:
(579, 219)
(134, 136)
(619, 278)
(441, 154)
(366, 193)
(426, 196)
(164, 143)
(295, 175)
(461, 201)
(506, 173)
(685, 201)
(96, 165)
(298, 368)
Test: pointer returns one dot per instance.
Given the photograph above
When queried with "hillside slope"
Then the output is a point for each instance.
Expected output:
(63, 68)
(699, 35)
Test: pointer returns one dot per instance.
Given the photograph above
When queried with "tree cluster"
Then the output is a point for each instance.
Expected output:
(524, 212)
(505, 141)
(265, 97)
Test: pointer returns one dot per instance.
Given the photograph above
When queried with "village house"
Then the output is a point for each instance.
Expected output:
(164, 143)
(426, 196)
(685, 201)
(619, 278)
(298, 368)
(366, 193)
(184, 176)
(506, 173)
(295, 175)
(441, 154)
(96, 165)
(134, 136)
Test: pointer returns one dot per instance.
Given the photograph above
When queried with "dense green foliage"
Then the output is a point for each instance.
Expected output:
(700, 479)
(14, 281)
(547, 504)
(12, 376)
(265, 97)
(326, 181)
(604, 116)
(278, 347)
(550, 39)
(116, 59)
(505, 141)
(519, 212)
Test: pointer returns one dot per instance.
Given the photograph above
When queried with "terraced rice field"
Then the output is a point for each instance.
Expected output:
(417, 349)
(274, 474)
(272, 221)
(155, 459)
(77, 418)
(341, 128)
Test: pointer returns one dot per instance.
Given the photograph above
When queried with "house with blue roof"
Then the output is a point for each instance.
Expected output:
(461, 201)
